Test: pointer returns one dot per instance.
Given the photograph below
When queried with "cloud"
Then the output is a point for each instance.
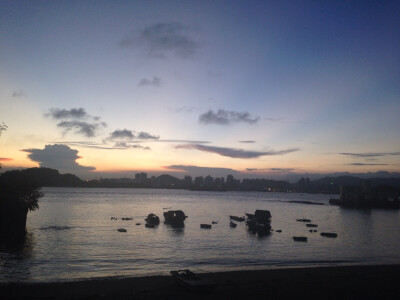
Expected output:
(156, 81)
(235, 153)
(73, 113)
(5, 159)
(57, 156)
(87, 129)
(224, 117)
(370, 154)
(123, 145)
(363, 164)
(76, 120)
(271, 169)
(129, 135)
(122, 134)
(247, 142)
(147, 136)
(162, 40)
(19, 94)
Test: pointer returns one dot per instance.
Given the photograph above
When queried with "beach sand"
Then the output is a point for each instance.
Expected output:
(339, 282)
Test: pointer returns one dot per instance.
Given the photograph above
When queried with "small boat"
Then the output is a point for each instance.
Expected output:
(214, 222)
(126, 219)
(232, 224)
(311, 225)
(329, 234)
(122, 230)
(206, 226)
(304, 220)
(138, 223)
(300, 238)
(191, 281)
(149, 225)
(279, 230)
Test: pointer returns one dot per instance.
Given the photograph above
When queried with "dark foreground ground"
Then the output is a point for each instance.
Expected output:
(350, 282)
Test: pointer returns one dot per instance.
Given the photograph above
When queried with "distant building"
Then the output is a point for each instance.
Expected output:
(199, 181)
(140, 178)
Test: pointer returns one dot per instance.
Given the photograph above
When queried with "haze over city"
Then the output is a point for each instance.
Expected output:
(257, 89)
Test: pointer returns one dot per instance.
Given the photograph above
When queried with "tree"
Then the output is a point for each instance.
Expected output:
(19, 193)
(3, 127)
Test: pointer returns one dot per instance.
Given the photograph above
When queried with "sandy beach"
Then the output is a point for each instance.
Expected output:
(339, 282)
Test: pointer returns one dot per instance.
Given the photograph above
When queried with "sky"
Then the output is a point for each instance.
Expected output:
(258, 89)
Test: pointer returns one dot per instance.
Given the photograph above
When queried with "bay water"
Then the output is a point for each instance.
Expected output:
(73, 236)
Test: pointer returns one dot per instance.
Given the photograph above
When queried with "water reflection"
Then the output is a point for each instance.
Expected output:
(15, 257)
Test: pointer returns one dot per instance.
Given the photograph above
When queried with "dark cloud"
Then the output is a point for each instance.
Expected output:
(129, 135)
(79, 127)
(370, 154)
(122, 134)
(247, 142)
(162, 40)
(76, 120)
(224, 117)
(19, 93)
(147, 136)
(62, 114)
(57, 156)
(363, 164)
(234, 153)
(156, 81)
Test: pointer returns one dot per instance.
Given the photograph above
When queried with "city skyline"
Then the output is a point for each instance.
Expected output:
(256, 89)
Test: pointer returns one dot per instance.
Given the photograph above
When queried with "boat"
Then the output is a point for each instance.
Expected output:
(329, 234)
(311, 225)
(232, 224)
(206, 226)
(304, 220)
(152, 219)
(191, 281)
(300, 238)
(122, 230)
(175, 218)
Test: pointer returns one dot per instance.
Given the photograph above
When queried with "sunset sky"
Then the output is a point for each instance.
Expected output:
(254, 88)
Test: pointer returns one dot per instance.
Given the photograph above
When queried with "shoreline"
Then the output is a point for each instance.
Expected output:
(333, 282)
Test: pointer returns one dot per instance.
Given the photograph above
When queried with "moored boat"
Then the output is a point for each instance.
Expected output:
(329, 234)
(205, 226)
(300, 238)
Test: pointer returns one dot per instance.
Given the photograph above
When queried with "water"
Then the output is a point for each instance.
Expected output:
(72, 235)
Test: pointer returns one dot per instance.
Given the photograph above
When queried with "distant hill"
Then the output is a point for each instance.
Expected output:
(45, 177)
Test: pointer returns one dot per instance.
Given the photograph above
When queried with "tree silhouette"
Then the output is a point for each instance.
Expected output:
(19, 193)
(3, 127)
